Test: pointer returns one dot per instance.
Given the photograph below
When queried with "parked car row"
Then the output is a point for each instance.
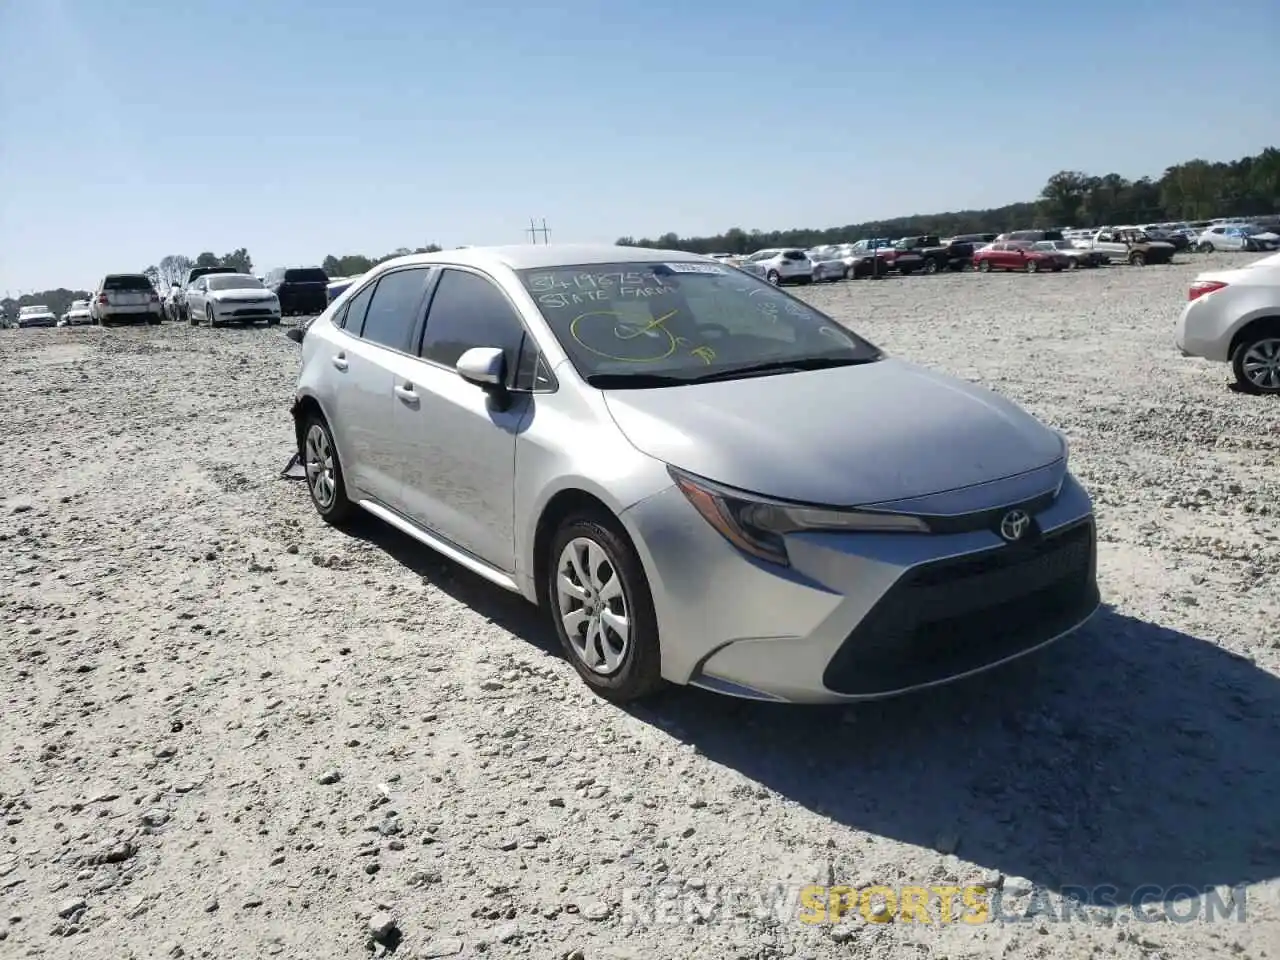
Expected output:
(1028, 251)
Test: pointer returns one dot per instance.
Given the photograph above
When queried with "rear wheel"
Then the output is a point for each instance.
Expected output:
(1073, 264)
(1256, 361)
(1032, 266)
(1137, 260)
(599, 598)
(931, 266)
(325, 482)
(772, 277)
(1205, 248)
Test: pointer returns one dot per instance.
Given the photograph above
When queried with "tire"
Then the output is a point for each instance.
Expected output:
(273, 321)
(1033, 266)
(208, 315)
(1137, 260)
(984, 266)
(1205, 248)
(325, 482)
(848, 274)
(772, 277)
(1074, 264)
(637, 670)
(931, 267)
(1262, 345)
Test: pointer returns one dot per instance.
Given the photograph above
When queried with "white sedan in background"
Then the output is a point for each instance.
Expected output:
(77, 315)
(1233, 316)
(231, 298)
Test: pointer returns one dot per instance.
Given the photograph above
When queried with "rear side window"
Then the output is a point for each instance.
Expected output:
(396, 306)
(306, 275)
(470, 311)
(793, 255)
(135, 283)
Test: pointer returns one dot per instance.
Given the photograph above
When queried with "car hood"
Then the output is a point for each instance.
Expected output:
(845, 436)
(226, 296)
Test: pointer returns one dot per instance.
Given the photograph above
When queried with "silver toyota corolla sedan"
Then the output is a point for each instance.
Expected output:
(699, 477)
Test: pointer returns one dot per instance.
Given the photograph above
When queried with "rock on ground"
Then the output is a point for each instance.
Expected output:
(190, 656)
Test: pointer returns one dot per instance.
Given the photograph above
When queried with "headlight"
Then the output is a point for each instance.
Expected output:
(756, 525)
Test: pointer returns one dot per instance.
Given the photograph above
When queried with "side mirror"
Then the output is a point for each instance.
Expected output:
(486, 368)
(295, 334)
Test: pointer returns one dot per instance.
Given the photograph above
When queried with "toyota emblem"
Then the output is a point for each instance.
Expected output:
(1014, 525)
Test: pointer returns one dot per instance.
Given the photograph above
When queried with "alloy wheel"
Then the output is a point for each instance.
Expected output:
(593, 606)
(1261, 364)
(319, 465)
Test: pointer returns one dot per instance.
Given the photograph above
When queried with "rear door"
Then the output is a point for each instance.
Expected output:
(379, 323)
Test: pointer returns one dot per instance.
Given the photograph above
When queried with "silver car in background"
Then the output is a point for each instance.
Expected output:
(231, 298)
(700, 478)
(829, 264)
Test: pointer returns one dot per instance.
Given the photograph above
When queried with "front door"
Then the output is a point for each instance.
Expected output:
(458, 450)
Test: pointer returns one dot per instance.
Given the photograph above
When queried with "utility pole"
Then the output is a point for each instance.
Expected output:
(534, 230)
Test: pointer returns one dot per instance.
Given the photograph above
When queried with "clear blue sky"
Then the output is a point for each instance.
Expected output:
(134, 128)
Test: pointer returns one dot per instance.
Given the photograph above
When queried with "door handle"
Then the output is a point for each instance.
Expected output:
(407, 394)
(340, 361)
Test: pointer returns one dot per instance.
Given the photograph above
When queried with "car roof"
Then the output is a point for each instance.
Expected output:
(537, 256)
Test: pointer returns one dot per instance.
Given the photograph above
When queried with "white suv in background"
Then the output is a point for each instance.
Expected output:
(1233, 316)
(780, 265)
(125, 298)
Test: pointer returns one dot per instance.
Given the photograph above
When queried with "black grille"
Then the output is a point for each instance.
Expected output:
(251, 312)
(954, 616)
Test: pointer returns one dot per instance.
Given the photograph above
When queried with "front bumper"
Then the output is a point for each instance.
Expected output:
(861, 616)
(246, 312)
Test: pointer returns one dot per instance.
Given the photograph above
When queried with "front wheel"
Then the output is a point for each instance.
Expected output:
(325, 481)
(772, 277)
(599, 597)
(1137, 260)
(208, 316)
(1073, 264)
(1256, 362)
(1032, 266)
(984, 266)
(1205, 248)
(931, 266)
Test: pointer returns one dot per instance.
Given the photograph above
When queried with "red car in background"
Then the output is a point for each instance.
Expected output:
(1019, 255)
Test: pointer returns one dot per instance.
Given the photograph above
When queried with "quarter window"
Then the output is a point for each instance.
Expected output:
(470, 311)
(353, 315)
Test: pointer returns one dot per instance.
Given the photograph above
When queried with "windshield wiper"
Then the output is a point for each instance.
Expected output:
(783, 366)
(634, 381)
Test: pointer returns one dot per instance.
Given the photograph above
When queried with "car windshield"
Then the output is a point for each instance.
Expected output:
(79, 304)
(234, 282)
(306, 275)
(37, 308)
(678, 322)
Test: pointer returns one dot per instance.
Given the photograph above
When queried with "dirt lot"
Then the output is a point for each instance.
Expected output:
(230, 731)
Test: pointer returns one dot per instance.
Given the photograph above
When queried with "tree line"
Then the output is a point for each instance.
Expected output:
(1195, 190)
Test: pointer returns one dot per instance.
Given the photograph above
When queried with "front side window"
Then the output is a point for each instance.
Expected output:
(396, 305)
(634, 324)
(468, 310)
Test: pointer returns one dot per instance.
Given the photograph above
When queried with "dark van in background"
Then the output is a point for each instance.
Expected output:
(300, 289)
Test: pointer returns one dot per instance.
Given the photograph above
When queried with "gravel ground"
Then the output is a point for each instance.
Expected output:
(231, 731)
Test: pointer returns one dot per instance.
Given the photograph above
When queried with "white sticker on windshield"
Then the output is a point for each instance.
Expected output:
(694, 267)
